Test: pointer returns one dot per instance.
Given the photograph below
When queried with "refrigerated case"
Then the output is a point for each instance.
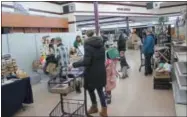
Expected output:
(179, 63)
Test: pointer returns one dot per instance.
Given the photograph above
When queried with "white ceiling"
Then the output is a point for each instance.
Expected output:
(114, 20)
(110, 20)
(166, 3)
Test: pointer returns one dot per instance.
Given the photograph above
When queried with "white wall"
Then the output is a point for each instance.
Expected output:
(37, 5)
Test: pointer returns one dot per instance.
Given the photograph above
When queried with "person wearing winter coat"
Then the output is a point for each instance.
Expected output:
(148, 50)
(121, 42)
(63, 58)
(105, 38)
(122, 45)
(111, 74)
(95, 72)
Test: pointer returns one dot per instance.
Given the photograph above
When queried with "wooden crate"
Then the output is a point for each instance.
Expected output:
(162, 86)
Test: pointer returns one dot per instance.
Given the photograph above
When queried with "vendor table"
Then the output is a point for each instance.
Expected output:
(14, 94)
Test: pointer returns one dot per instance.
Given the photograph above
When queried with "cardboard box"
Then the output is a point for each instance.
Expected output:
(60, 89)
(161, 74)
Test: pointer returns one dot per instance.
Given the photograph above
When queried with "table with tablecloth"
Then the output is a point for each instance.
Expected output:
(14, 94)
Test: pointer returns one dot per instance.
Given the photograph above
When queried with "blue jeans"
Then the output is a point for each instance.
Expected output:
(93, 96)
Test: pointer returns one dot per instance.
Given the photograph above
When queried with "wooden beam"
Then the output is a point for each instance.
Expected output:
(20, 20)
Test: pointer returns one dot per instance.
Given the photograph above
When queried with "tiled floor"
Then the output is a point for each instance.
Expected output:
(133, 96)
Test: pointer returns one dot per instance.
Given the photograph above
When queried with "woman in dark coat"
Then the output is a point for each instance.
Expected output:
(95, 72)
(122, 45)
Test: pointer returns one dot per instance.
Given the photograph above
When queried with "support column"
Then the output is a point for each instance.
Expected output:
(96, 14)
(72, 26)
(127, 24)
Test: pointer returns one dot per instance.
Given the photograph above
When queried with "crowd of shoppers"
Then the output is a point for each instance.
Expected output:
(100, 70)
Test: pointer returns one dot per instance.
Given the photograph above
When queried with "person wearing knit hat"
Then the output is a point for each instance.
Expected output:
(95, 71)
(62, 56)
(148, 50)
(90, 33)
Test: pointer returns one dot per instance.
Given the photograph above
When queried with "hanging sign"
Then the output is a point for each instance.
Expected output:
(123, 9)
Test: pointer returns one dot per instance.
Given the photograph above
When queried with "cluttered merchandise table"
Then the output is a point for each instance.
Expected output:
(14, 93)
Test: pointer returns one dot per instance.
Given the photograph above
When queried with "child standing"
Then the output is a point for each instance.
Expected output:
(124, 65)
(111, 76)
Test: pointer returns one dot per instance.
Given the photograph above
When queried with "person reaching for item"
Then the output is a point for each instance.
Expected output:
(95, 72)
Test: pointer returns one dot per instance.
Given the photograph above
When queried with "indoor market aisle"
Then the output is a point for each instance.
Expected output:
(133, 96)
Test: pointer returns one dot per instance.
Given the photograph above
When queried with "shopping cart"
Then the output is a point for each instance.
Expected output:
(68, 108)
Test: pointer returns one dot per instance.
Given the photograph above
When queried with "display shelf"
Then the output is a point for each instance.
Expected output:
(175, 43)
(180, 96)
(181, 68)
(181, 56)
(181, 80)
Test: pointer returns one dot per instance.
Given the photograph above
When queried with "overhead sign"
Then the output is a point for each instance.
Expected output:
(123, 9)
(19, 8)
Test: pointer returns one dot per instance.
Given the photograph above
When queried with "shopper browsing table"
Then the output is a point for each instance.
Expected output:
(78, 42)
(95, 72)
(148, 50)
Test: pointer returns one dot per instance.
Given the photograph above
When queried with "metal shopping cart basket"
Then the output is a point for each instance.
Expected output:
(57, 80)
(68, 108)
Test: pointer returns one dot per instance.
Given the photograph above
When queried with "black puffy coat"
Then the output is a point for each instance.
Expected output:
(121, 43)
(105, 39)
(94, 63)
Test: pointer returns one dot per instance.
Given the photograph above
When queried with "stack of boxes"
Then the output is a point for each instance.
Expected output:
(162, 80)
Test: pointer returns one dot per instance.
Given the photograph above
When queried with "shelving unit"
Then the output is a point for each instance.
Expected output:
(179, 71)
